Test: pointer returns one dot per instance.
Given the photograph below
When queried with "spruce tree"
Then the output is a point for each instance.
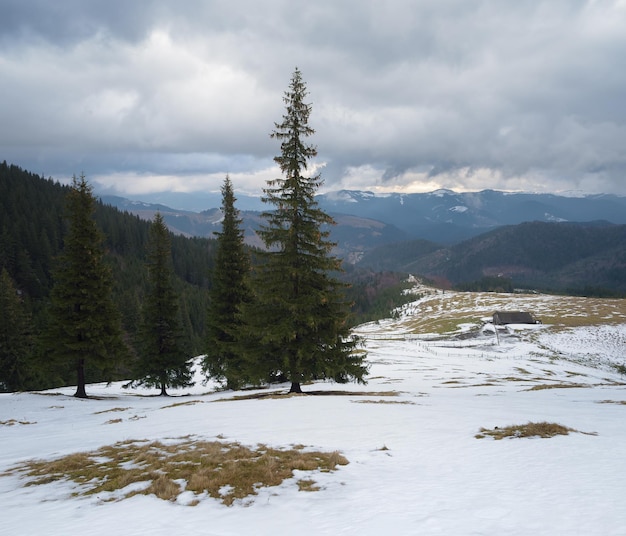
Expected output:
(300, 313)
(163, 361)
(16, 338)
(84, 324)
(229, 292)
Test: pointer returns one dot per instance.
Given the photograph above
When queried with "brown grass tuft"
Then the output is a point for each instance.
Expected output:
(112, 410)
(225, 471)
(531, 429)
(557, 386)
(113, 421)
(283, 394)
(186, 403)
(13, 422)
(383, 402)
(308, 485)
(164, 488)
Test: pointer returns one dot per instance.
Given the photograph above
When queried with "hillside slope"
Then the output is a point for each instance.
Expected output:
(556, 256)
(449, 217)
(416, 437)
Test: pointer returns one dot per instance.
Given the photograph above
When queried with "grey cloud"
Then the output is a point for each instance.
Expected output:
(67, 22)
(532, 91)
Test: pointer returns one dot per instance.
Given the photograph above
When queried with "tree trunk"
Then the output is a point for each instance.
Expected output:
(295, 387)
(294, 374)
(163, 391)
(80, 379)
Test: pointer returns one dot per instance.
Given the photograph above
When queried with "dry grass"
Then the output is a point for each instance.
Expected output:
(543, 386)
(225, 471)
(407, 402)
(112, 410)
(186, 403)
(308, 485)
(618, 402)
(445, 313)
(283, 394)
(531, 429)
(13, 422)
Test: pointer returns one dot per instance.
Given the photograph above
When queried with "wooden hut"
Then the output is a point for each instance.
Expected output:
(501, 318)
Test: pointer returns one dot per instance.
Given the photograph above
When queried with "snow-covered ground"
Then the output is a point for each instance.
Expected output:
(415, 464)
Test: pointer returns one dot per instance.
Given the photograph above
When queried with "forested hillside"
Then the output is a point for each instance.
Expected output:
(32, 227)
(33, 224)
(580, 258)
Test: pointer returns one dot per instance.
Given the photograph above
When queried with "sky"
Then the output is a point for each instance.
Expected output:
(406, 96)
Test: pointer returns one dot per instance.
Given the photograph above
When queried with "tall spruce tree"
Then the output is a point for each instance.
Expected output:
(229, 293)
(84, 325)
(163, 361)
(300, 312)
(16, 338)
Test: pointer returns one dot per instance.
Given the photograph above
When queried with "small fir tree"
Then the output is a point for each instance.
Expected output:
(229, 292)
(16, 338)
(163, 362)
(300, 313)
(84, 324)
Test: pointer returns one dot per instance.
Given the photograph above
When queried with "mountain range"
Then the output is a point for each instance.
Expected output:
(448, 217)
(534, 240)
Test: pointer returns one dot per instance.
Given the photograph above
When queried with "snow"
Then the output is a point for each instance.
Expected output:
(459, 208)
(441, 192)
(415, 465)
(552, 217)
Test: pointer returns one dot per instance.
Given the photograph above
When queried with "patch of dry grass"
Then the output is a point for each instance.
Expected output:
(186, 403)
(531, 429)
(618, 402)
(225, 471)
(13, 422)
(112, 410)
(308, 485)
(445, 313)
(543, 386)
(383, 402)
(283, 394)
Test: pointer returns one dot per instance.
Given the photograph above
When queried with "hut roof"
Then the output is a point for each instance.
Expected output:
(513, 317)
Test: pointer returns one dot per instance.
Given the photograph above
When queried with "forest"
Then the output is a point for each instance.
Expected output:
(94, 294)
(32, 228)
(33, 224)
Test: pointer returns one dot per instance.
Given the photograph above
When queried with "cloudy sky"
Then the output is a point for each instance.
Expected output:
(407, 95)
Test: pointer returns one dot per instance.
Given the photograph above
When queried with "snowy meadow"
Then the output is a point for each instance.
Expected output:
(418, 439)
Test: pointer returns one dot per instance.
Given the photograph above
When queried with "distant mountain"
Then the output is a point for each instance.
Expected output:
(448, 217)
(557, 256)
(196, 201)
(353, 234)
(366, 220)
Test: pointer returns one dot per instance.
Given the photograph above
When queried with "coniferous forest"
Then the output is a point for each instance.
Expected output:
(33, 227)
(89, 293)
